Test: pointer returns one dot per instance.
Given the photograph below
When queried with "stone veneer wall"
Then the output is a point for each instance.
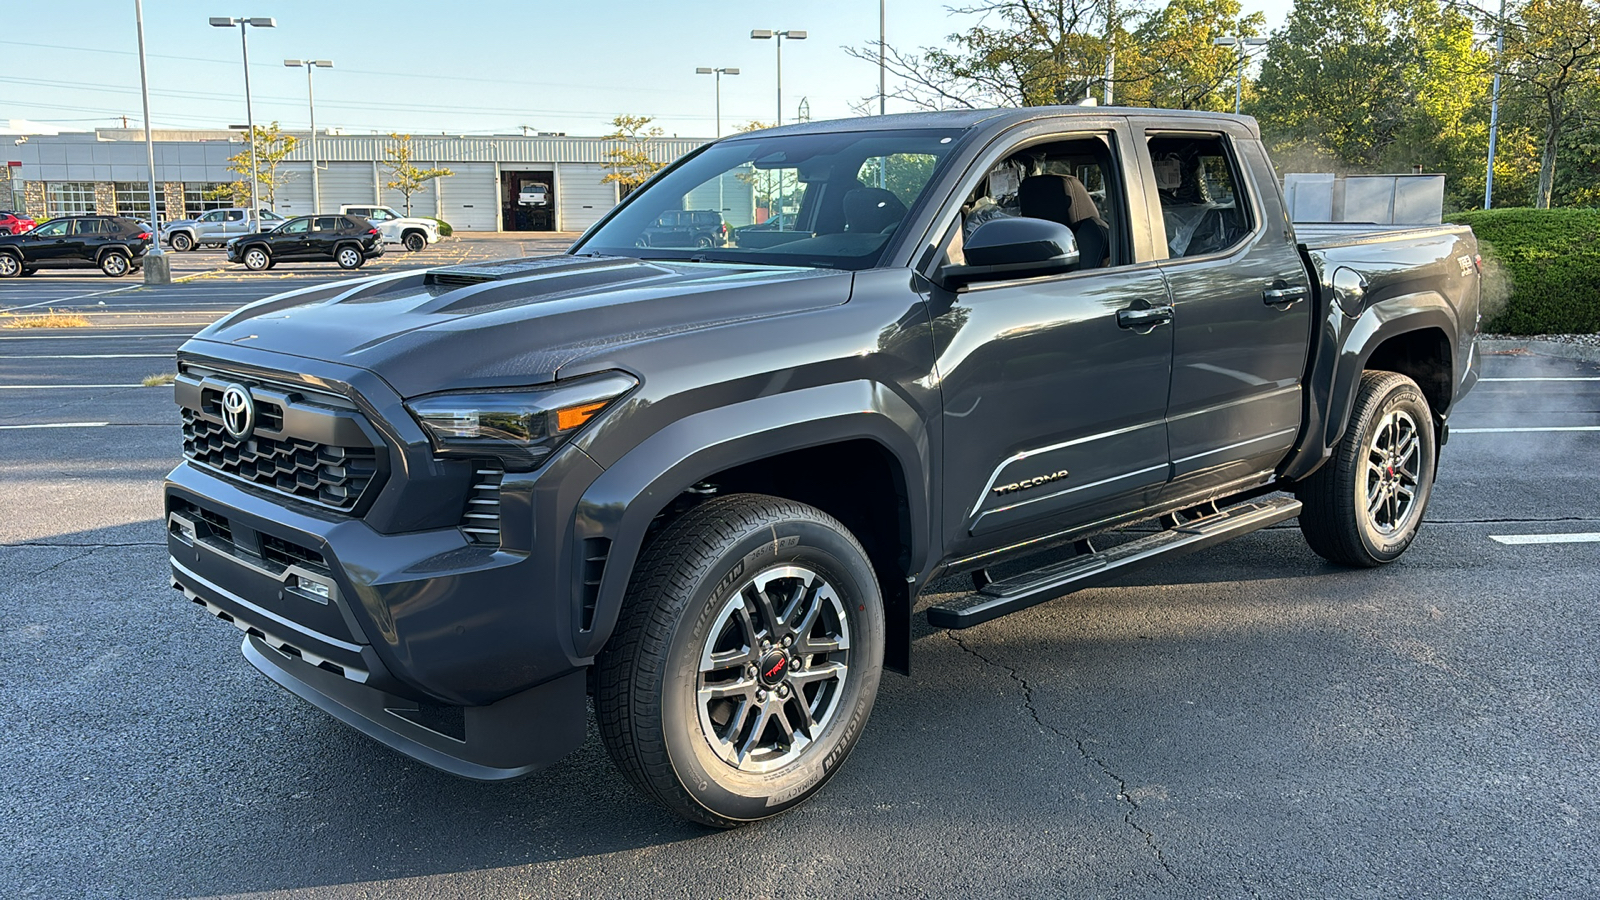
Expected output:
(105, 198)
(172, 197)
(33, 199)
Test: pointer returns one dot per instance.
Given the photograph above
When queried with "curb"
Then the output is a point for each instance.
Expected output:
(1555, 349)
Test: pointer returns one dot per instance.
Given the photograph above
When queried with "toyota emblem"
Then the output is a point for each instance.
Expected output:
(238, 412)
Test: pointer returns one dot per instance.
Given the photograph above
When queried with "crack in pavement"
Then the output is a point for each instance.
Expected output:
(1083, 751)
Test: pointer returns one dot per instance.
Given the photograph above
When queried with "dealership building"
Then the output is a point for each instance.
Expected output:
(106, 172)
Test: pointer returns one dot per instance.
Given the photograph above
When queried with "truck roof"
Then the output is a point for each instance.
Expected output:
(965, 119)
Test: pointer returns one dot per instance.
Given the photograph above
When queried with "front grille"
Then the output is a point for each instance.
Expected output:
(276, 554)
(481, 521)
(324, 474)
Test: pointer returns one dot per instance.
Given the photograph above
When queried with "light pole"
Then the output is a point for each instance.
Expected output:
(719, 73)
(311, 99)
(882, 97)
(763, 34)
(156, 268)
(249, 115)
(1494, 107)
(1243, 44)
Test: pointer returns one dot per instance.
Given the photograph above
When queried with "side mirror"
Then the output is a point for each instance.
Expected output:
(1014, 248)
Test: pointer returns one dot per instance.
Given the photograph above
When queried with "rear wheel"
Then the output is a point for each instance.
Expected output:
(10, 266)
(745, 661)
(114, 263)
(415, 240)
(348, 257)
(1364, 506)
(181, 242)
(257, 259)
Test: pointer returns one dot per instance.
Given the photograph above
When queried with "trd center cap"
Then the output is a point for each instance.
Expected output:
(773, 667)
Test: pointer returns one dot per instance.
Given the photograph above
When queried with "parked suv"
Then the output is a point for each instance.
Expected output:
(14, 222)
(346, 240)
(215, 228)
(412, 232)
(115, 244)
(702, 228)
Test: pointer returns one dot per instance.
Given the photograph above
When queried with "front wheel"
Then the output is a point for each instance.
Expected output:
(415, 241)
(257, 260)
(745, 661)
(1364, 506)
(182, 242)
(114, 264)
(349, 258)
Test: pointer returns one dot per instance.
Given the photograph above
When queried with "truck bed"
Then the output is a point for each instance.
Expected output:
(1328, 235)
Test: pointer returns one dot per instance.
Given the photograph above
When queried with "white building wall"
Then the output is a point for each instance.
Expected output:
(347, 183)
(294, 195)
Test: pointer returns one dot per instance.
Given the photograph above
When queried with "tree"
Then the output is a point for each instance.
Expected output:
(629, 161)
(1172, 63)
(404, 176)
(272, 148)
(1552, 58)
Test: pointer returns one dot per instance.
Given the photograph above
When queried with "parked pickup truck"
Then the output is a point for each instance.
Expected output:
(411, 232)
(216, 227)
(705, 486)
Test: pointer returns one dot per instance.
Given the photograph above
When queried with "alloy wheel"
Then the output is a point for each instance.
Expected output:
(1393, 472)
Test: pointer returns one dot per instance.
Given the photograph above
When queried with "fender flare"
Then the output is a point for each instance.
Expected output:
(625, 499)
(1379, 322)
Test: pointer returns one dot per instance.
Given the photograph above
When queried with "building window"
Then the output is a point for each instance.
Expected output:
(197, 198)
(69, 198)
(133, 200)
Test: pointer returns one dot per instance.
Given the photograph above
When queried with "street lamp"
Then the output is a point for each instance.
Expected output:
(1243, 44)
(311, 99)
(719, 73)
(157, 268)
(763, 34)
(244, 24)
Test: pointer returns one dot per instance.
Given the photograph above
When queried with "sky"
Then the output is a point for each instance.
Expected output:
(475, 67)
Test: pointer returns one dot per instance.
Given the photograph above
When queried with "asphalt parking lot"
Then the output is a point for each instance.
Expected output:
(1246, 721)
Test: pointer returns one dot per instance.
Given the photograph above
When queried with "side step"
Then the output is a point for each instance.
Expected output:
(1032, 588)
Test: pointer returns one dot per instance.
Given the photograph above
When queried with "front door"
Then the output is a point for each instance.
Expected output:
(1054, 397)
(292, 240)
(50, 242)
(1241, 310)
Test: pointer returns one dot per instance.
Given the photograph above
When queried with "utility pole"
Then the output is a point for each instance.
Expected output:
(157, 268)
(244, 24)
(311, 99)
(881, 95)
(1111, 46)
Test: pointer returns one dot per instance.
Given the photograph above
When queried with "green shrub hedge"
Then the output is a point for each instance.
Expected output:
(1543, 272)
(444, 227)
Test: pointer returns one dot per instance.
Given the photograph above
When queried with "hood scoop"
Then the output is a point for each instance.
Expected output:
(477, 288)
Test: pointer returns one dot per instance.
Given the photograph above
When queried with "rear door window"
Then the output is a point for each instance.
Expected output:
(327, 223)
(88, 226)
(1204, 209)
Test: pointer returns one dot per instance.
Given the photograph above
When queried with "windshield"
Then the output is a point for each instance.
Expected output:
(829, 200)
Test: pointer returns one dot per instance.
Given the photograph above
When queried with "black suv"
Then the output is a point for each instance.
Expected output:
(702, 228)
(114, 244)
(347, 240)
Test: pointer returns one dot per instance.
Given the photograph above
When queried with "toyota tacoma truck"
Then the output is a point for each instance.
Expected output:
(702, 488)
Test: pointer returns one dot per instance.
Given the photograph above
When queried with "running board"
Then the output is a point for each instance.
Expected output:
(1032, 588)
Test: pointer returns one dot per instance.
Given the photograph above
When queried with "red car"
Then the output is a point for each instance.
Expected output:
(14, 223)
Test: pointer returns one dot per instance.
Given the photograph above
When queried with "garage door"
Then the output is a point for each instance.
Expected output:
(582, 196)
(294, 195)
(469, 199)
(345, 184)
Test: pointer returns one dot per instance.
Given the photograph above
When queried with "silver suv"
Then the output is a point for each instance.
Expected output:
(216, 228)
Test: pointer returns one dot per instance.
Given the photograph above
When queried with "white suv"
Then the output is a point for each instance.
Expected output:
(410, 231)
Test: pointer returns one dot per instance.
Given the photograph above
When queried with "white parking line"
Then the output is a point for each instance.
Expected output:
(1456, 431)
(56, 425)
(1548, 378)
(86, 337)
(1590, 537)
(74, 297)
(91, 356)
(53, 387)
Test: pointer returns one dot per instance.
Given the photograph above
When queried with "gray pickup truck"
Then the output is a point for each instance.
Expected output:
(216, 227)
(704, 486)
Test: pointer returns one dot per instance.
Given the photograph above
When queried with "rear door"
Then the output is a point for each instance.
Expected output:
(87, 236)
(325, 231)
(1241, 308)
(1054, 410)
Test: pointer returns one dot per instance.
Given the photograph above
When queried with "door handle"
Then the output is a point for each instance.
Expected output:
(1283, 296)
(1142, 318)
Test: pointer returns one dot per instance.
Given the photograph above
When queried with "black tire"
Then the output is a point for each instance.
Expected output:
(348, 256)
(28, 271)
(10, 265)
(256, 259)
(414, 241)
(704, 242)
(703, 583)
(182, 242)
(115, 263)
(1364, 506)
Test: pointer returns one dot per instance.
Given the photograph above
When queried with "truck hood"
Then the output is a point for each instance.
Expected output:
(515, 322)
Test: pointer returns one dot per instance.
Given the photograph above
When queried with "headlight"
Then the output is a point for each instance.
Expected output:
(521, 427)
